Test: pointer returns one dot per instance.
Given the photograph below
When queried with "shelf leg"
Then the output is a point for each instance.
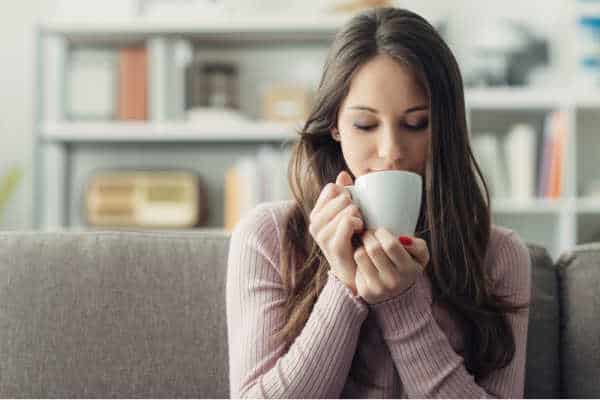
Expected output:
(55, 186)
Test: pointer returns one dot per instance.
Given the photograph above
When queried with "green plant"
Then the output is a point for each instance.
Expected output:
(8, 184)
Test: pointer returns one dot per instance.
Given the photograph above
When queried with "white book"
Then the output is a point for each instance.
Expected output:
(91, 84)
(274, 169)
(157, 78)
(520, 150)
(249, 177)
(488, 154)
(265, 158)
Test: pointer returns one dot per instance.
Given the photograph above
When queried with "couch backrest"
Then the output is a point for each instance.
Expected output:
(117, 314)
(579, 283)
(542, 371)
(113, 315)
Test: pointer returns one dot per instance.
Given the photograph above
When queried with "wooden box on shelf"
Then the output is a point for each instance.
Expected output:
(143, 199)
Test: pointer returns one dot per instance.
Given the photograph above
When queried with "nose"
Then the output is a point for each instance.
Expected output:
(390, 148)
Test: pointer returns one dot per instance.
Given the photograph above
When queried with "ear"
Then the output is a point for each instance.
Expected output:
(335, 134)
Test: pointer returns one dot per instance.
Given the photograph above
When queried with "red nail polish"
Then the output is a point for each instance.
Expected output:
(405, 240)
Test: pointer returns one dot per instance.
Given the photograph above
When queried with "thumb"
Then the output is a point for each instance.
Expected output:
(344, 179)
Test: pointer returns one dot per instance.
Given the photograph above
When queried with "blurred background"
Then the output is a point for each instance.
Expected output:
(179, 114)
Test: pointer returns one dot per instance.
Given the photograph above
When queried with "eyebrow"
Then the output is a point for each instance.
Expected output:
(409, 110)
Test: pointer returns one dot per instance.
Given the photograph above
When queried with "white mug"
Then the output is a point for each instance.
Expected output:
(388, 199)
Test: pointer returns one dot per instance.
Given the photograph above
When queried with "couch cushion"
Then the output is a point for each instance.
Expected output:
(542, 365)
(113, 314)
(579, 279)
(124, 314)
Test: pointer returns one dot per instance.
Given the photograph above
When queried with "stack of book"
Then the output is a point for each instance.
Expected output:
(516, 167)
(134, 83)
(254, 180)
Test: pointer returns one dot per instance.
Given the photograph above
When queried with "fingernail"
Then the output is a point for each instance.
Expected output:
(405, 240)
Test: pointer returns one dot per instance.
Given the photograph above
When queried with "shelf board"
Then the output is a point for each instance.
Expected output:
(241, 28)
(532, 206)
(515, 98)
(588, 99)
(588, 205)
(526, 98)
(167, 132)
(139, 230)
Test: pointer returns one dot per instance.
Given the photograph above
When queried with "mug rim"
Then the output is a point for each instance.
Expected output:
(390, 171)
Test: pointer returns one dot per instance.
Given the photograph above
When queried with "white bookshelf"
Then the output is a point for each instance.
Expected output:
(143, 132)
(518, 98)
(558, 224)
(224, 28)
(588, 205)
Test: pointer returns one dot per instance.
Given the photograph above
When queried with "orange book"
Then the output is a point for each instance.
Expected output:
(232, 199)
(557, 160)
(133, 84)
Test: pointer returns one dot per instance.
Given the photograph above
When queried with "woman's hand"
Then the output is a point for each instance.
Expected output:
(333, 221)
(386, 267)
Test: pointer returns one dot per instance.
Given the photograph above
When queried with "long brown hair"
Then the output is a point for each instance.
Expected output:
(455, 217)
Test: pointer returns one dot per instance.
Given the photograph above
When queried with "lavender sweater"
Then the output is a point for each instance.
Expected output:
(414, 347)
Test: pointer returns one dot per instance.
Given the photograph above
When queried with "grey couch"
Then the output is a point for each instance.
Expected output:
(117, 314)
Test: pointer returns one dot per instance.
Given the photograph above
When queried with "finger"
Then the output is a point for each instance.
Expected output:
(328, 214)
(392, 247)
(419, 251)
(344, 231)
(341, 227)
(386, 268)
(328, 192)
(368, 271)
(343, 179)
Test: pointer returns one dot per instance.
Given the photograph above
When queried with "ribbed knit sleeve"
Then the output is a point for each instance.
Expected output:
(426, 362)
(317, 363)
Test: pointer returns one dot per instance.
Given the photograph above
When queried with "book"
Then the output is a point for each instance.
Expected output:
(232, 198)
(253, 180)
(557, 154)
(544, 165)
(158, 55)
(91, 70)
(242, 190)
(552, 160)
(520, 150)
(488, 154)
(133, 84)
(273, 165)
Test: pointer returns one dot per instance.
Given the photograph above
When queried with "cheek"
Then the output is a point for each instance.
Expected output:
(357, 151)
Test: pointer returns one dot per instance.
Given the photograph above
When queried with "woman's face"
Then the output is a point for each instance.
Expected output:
(383, 123)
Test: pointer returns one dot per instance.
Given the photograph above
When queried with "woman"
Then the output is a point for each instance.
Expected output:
(319, 306)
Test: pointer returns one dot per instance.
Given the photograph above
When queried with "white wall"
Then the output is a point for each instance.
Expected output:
(16, 80)
(16, 100)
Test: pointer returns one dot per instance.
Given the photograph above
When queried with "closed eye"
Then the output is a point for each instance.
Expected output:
(365, 127)
(418, 127)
